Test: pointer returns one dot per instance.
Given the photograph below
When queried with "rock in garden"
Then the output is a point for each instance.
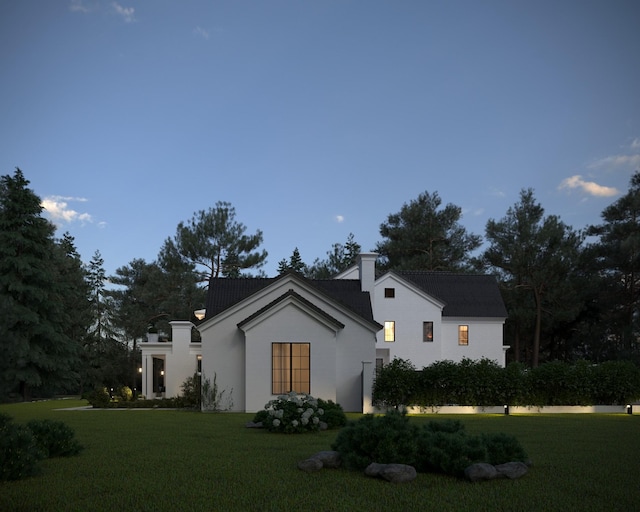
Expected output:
(251, 424)
(480, 472)
(330, 459)
(310, 465)
(512, 470)
(395, 473)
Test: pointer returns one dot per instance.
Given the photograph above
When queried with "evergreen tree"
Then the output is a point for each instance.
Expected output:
(339, 258)
(295, 263)
(616, 257)
(423, 236)
(37, 351)
(215, 241)
(537, 260)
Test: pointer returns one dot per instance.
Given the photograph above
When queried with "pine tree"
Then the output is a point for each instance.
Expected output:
(36, 348)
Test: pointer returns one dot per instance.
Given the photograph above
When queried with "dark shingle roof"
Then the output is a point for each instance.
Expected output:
(465, 295)
(226, 292)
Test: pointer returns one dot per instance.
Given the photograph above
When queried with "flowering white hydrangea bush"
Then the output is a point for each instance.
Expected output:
(292, 413)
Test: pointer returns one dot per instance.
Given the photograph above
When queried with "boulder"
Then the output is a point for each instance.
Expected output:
(251, 424)
(480, 472)
(330, 459)
(310, 465)
(394, 473)
(512, 470)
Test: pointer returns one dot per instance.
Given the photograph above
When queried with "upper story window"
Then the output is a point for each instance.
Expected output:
(463, 335)
(427, 331)
(389, 331)
(389, 293)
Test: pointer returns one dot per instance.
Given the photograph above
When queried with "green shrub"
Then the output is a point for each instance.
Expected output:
(334, 415)
(54, 438)
(292, 413)
(503, 448)
(616, 382)
(125, 394)
(19, 451)
(99, 398)
(449, 452)
(192, 392)
(395, 384)
(438, 446)
(383, 439)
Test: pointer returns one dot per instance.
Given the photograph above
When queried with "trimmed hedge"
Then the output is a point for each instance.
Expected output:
(484, 383)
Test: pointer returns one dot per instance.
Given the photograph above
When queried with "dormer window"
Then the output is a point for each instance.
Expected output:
(389, 293)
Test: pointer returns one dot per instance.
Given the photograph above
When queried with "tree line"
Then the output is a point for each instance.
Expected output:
(67, 326)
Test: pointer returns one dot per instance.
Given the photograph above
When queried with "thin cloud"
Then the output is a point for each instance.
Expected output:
(58, 209)
(78, 6)
(635, 143)
(617, 161)
(127, 13)
(200, 32)
(339, 219)
(588, 187)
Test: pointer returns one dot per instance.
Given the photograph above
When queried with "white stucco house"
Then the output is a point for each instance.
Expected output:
(262, 337)
(433, 316)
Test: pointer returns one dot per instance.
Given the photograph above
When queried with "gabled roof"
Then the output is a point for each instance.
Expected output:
(226, 292)
(465, 295)
(290, 293)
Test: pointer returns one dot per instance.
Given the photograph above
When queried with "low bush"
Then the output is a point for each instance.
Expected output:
(293, 413)
(19, 451)
(334, 415)
(443, 447)
(99, 398)
(383, 439)
(54, 438)
(125, 394)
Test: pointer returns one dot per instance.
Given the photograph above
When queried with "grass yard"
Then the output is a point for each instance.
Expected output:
(179, 461)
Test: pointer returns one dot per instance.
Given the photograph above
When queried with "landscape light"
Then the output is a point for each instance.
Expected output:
(629, 409)
(506, 409)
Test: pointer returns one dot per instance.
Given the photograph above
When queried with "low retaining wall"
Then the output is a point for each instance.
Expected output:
(513, 409)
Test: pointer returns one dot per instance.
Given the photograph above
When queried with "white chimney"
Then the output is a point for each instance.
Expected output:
(367, 271)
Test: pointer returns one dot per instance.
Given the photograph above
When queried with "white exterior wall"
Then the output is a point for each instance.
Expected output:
(180, 359)
(408, 309)
(223, 357)
(242, 360)
(181, 363)
(485, 339)
(289, 324)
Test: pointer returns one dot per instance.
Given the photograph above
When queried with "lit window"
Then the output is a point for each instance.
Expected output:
(463, 335)
(389, 331)
(199, 365)
(427, 331)
(291, 368)
(389, 293)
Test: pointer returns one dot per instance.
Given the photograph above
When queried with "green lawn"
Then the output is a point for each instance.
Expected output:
(179, 461)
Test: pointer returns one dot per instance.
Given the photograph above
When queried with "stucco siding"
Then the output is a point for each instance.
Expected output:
(408, 309)
(485, 339)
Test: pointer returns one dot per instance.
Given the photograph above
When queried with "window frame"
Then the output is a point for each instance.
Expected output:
(463, 335)
(286, 375)
(389, 293)
(427, 329)
(389, 331)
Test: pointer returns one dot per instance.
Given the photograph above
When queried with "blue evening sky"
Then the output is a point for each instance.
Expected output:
(314, 118)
